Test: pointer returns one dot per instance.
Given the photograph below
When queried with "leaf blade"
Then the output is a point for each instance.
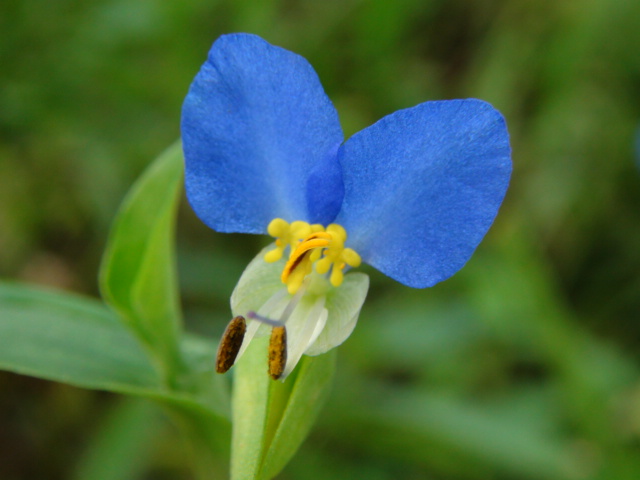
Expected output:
(79, 341)
(138, 273)
(307, 397)
(70, 339)
(67, 338)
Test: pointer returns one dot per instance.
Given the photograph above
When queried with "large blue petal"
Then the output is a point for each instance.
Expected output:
(422, 187)
(257, 128)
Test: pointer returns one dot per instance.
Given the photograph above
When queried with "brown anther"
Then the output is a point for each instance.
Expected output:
(230, 344)
(277, 352)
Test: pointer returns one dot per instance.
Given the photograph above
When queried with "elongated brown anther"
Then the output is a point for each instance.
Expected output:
(230, 344)
(277, 352)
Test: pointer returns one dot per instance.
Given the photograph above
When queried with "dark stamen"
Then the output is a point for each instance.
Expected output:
(277, 352)
(230, 344)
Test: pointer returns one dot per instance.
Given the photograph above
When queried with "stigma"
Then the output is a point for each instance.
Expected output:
(310, 244)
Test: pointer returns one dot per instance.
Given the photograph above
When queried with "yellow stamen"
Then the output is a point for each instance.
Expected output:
(310, 244)
(288, 235)
(336, 257)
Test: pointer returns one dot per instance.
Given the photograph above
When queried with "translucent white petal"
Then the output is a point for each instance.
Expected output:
(258, 283)
(252, 329)
(300, 332)
(259, 290)
(322, 321)
(343, 304)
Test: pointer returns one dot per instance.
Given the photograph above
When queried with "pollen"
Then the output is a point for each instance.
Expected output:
(288, 235)
(311, 244)
(277, 352)
(336, 256)
(230, 344)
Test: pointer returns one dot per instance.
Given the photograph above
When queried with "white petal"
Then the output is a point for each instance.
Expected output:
(257, 291)
(300, 332)
(322, 321)
(252, 329)
(344, 304)
(258, 283)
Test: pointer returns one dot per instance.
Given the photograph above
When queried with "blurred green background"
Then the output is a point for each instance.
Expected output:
(525, 365)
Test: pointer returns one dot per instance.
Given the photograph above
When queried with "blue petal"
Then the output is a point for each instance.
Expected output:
(258, 130)
(422, 187)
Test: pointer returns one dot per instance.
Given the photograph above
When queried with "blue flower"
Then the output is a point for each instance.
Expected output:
(412, 195)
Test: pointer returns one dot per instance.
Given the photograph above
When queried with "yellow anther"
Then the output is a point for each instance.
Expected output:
(337, 259)
(278, 227)
(338, 232)
(351, 257)
(336, 277)
(288, 235)
(310, 244)
(273, 255)
(297, 231)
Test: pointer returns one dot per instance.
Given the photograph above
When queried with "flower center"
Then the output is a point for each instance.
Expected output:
(310, 244)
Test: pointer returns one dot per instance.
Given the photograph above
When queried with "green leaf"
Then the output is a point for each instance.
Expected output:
(69, 339)
(138, 273)
(272, 418)
(121, 448)
(308, 395)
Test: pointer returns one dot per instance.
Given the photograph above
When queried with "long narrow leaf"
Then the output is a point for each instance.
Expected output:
(307, 397)
(69, 339)
(138, 274)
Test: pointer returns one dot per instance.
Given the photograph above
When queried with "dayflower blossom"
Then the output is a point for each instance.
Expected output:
(412, 195)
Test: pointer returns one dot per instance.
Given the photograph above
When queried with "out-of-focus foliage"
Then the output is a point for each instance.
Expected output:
(524, 365)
